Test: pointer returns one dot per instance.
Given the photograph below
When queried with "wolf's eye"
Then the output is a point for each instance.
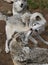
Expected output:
(22, 5)
(34, 24)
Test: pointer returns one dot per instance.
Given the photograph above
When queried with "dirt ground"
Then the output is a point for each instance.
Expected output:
(5, 59)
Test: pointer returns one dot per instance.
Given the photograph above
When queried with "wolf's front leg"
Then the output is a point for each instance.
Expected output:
(7, 46)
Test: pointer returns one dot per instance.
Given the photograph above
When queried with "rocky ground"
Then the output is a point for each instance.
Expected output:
(6, 8)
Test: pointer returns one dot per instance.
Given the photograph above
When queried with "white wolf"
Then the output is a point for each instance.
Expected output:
(14, 22)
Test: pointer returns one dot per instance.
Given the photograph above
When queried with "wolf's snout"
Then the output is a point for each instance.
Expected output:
(22, 5)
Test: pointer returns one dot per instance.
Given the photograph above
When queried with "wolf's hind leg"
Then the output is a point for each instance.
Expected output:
(6, 47)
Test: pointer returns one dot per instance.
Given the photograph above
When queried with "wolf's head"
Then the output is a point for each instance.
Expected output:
(19, 5)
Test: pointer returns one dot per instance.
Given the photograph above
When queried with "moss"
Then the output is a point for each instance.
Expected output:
(34, 4)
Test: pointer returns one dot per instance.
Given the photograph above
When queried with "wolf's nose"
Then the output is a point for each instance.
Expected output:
(22, 5)
(11, 2)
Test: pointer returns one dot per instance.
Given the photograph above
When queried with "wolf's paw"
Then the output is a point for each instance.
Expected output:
(6, 50)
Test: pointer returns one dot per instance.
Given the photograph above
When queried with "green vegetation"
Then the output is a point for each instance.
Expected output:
(34, 4)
